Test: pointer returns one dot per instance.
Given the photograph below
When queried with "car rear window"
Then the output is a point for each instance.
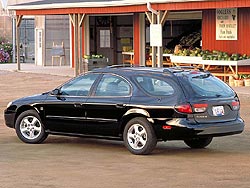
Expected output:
(209, 86)
(155, 86)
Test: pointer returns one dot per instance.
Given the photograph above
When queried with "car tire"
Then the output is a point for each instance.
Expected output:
(29, 127)
(139, 136)
(198, 143)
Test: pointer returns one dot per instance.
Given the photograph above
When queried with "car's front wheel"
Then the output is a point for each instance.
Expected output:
(139, 136)
(198, 143)
(29, 127)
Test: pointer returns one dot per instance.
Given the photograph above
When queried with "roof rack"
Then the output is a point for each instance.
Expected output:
(183, 68)
(123, 65)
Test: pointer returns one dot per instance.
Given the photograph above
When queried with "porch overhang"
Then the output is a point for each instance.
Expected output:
(49, 7)
(61, 4)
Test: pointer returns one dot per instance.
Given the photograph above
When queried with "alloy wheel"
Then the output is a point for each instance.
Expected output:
(137, 136)
(30, 127)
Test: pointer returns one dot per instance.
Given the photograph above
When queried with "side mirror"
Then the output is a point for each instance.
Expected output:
(55, 92)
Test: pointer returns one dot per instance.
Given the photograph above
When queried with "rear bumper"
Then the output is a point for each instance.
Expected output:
(181, 129)
(221, 129)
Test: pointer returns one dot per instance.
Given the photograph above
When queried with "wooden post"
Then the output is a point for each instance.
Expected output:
(159, 48)
(142, 40)
(80, 23)
(161, 19)
(136, 41)
(153, 47)
(157, 18)
(152, 20)
(77, 21)
(74, 21)
(18, 22)
(76, 44)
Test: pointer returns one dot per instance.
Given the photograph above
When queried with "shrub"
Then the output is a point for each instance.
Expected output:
(5, 50)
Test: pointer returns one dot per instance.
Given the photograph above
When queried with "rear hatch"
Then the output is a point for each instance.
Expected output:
(213, 111)
(211, 99)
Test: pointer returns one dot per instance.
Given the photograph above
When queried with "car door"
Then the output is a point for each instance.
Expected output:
(106, 106)
(64, 108)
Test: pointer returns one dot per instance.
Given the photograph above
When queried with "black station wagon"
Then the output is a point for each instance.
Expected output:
(138, 105)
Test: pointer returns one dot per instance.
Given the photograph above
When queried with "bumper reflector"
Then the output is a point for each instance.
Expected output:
(167, 127)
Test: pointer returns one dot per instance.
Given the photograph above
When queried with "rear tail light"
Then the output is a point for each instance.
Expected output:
(236, 105)
(187, 108)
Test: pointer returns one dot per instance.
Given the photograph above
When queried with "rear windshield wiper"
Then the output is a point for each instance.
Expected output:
(218, 95)
(202, 76)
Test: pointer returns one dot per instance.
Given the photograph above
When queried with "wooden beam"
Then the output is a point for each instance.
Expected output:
(81, 19)
(18, 20)
(164, 17)
(72, 19)
(149, 16)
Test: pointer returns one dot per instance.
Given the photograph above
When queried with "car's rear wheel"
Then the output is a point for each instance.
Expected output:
(29, 127)
(139, 136)
(198, 143)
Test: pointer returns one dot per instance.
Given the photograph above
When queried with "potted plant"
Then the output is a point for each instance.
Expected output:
(246, 78)
(238, 80)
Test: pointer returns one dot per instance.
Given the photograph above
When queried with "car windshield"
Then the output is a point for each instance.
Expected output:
(209, 86)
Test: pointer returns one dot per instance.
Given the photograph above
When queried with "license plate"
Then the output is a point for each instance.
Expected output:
(218, 111)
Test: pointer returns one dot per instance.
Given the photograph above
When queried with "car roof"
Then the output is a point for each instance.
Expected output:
(132, 70)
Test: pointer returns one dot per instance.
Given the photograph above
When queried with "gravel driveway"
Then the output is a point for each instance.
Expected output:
(68, 162)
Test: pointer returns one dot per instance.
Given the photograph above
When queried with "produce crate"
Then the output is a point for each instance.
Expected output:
(95, 63)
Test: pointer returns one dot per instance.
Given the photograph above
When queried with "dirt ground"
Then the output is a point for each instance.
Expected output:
(68, 162)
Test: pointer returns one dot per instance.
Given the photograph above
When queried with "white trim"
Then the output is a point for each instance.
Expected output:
(93, 4)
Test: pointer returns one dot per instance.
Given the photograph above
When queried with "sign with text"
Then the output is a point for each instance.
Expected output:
(155, 35)
(226, 24)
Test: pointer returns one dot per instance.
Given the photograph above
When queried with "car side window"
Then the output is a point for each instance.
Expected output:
(111, 85)
(155, 86)
(79, 86)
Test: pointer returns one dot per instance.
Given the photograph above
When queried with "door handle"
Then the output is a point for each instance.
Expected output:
(120, 105)
(78, 105)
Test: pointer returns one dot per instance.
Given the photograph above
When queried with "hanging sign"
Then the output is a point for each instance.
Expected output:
(226, 24)
(155, 35)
